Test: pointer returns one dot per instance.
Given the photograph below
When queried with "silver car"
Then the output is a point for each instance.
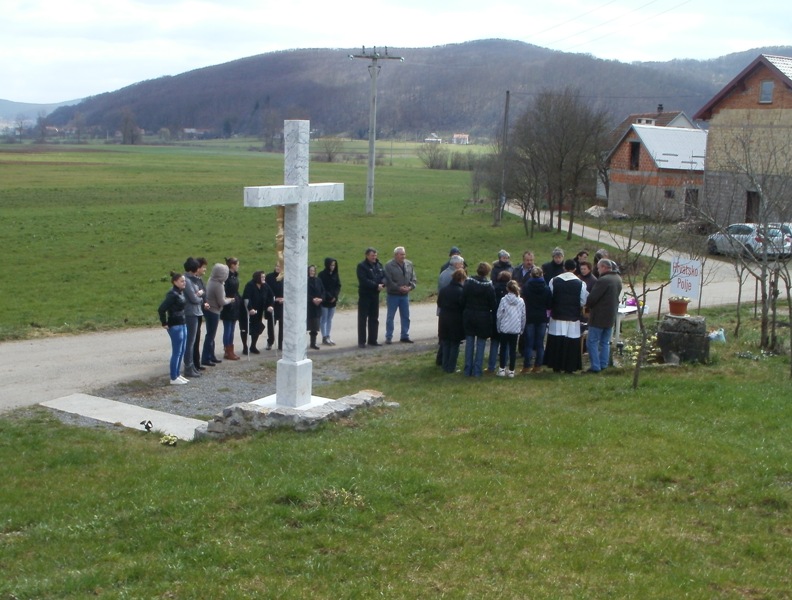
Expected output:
(750, 239)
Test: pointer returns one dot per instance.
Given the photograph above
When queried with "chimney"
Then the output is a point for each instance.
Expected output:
(659, 109)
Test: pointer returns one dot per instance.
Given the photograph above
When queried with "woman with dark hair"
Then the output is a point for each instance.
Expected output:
(563, 351)
(332, 287)
(258, 301)
(193, 311)
(230, 312)
(275, 283)
(198, 284)
(316, 296)
(479, 305)
(171, 315)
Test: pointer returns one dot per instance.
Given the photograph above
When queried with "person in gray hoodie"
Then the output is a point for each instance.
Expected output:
(216, 299)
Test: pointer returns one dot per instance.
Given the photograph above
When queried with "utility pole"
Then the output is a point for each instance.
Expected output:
(374, 69)
(504, 147)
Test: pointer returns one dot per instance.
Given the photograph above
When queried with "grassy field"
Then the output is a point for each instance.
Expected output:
(92, 232)
(542, 487)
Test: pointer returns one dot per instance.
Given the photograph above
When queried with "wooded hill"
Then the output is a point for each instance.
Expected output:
(457, 88)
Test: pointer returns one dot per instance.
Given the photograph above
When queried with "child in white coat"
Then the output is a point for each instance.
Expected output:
(510, 323)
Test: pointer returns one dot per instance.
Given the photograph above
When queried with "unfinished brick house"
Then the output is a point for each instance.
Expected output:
(657, 171)
(749, 147)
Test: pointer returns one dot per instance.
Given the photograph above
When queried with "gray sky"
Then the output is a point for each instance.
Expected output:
(54, 51)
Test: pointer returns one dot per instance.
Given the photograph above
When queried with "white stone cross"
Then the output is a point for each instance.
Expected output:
(294, 373)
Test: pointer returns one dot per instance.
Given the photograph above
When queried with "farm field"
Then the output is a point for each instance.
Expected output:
(93, 231)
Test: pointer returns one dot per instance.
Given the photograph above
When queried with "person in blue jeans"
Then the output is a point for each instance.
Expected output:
(478, 307)
(399, 282)
(602, 305)
(537, 297)
(171, 315)
(215, 301)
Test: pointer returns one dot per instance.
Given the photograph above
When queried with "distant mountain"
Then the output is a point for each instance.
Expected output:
(456, 88)
(11, 111)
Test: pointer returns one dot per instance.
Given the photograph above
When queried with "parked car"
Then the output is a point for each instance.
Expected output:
(751, 239)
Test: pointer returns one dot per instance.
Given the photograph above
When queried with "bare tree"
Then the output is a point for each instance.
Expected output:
(433, 155)
(640, 249)
(330, 148)
(563, 137)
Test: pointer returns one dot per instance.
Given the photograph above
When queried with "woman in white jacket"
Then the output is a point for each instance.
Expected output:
(511, 323)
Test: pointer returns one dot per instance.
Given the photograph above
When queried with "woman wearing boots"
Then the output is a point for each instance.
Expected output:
(171, 315)
(332, 287)
(258, 301)
(230, 313)
(316, 295)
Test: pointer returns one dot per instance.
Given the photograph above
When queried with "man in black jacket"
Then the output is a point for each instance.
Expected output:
(371, 281)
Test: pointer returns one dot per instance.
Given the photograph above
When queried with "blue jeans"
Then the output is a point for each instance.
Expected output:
(212, 321)
(534, 344)
(229, 326)
(493, 355)
(326, 322)
(598, 344)
(402, 303)
(178, 336)
(474, 355)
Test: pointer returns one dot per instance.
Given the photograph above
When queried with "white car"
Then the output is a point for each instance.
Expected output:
(750, 239)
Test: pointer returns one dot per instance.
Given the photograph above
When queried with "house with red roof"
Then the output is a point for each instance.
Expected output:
(749, 146)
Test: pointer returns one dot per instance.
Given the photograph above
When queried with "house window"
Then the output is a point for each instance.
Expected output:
(670, 194)
(635, 155)
(766, 92)
(752, 206)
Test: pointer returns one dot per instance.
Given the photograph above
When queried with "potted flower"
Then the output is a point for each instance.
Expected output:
(677, 305)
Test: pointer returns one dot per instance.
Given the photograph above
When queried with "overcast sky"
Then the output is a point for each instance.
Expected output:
(54, 51)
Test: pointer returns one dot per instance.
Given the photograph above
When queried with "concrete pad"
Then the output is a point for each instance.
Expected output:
(128, 415)
(271, 402)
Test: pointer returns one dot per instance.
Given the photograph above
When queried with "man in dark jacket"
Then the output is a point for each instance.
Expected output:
(371, 281)
(603, 306)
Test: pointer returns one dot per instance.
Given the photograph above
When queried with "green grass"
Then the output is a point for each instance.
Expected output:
(541, 487)
(92, 232)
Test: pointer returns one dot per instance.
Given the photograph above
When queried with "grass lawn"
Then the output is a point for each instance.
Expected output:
(94, 231)
(545, 486)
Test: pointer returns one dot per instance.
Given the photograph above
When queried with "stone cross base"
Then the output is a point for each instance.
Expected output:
(244, 418)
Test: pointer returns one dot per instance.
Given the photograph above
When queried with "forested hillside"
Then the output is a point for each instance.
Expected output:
(446, 89)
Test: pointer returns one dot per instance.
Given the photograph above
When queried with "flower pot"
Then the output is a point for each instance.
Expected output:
(677, 308)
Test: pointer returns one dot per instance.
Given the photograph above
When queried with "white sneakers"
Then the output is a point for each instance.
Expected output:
(510, 374)
(179, 381)
(505, 373)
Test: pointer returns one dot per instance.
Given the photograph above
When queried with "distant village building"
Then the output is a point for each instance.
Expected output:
(750, 122)
(461, 138)
(433, 139)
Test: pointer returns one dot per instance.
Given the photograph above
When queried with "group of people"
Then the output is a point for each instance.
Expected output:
(540, 311)
(544, 311)
(190, 303)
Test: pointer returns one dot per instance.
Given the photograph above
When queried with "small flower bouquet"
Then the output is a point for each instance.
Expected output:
(684, 299)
